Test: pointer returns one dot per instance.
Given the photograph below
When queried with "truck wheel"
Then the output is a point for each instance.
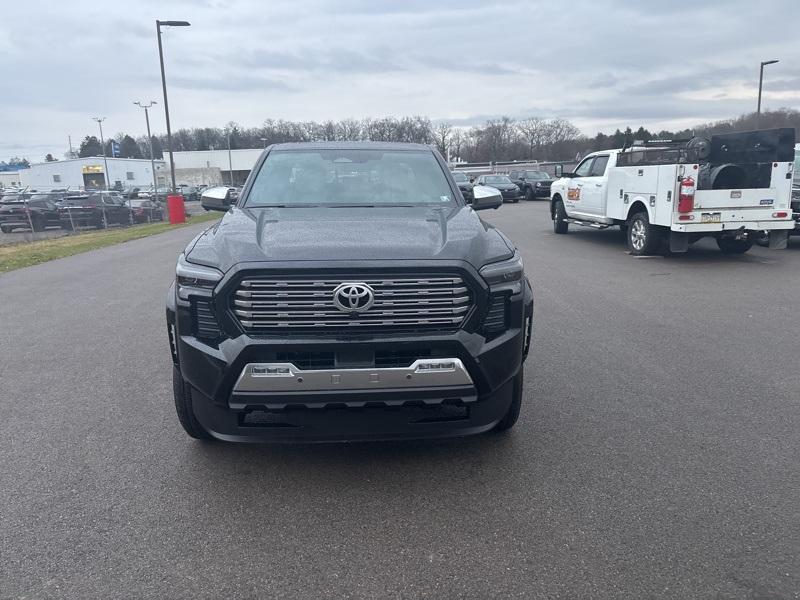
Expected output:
(183, 406)
(643, 238)
(512, 414)
(5, 229)
(732, 246)
(529, 194)
(560, 224)
(762, 238)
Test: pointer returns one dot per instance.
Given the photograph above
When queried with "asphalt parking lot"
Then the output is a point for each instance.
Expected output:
(656, 455)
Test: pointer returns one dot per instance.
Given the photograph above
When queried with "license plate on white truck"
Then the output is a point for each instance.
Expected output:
(714, 217)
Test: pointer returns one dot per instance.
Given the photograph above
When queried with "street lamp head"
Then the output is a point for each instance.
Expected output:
(769, 62)
(173, 23)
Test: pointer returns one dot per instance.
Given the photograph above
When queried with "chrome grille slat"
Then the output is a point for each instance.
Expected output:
(440, 302)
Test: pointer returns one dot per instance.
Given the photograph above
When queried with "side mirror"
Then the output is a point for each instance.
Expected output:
(560, 172)
(486, 197)
(215, 199)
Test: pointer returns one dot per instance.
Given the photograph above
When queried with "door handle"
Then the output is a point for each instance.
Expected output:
(598, 185)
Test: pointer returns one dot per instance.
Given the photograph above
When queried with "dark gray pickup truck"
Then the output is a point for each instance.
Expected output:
(351, 292)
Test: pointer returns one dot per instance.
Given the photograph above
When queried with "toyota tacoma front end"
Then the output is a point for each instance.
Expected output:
(350, 294)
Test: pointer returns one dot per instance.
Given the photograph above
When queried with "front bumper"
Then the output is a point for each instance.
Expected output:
(511, 195)
(231, 406)
(541, 191)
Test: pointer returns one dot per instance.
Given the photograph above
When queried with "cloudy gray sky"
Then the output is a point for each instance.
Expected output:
(600, 63)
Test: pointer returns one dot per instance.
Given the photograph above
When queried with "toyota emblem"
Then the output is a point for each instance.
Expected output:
(353, 297)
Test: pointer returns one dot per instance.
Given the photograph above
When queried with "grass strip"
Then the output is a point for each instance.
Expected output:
(25, 254)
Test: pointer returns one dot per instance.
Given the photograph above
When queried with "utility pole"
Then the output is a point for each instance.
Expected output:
(103, 144)
(150, 143)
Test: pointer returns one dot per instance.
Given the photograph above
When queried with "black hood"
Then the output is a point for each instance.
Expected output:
(356, 234)
(504, 186)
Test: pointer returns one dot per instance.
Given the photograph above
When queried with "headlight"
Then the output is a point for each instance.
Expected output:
(505, 275)
(195, 278)
(538, 184)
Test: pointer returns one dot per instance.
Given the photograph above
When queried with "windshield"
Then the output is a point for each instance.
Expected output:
(496, 179)
(536, 175)
(460, 178)
(349, 177)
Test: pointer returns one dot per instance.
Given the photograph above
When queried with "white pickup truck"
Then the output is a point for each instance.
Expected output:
(668, 194)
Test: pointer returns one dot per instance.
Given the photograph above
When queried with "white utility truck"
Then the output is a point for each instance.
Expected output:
(670, 193)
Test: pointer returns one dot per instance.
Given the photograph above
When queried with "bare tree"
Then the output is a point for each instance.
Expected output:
(441, 136)
(533, 129)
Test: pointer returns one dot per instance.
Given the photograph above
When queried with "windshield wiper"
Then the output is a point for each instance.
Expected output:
(282, 206)
(350, 206)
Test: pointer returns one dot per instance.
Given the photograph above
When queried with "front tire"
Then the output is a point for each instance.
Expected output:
(529, 194)
(560, 224)
(732, 246)
(5, 229)
(512, 414)
(643, 238)
(183, 406)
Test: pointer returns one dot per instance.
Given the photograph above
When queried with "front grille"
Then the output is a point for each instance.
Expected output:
(427, 303)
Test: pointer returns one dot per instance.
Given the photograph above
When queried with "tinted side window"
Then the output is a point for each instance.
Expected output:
(585, 167)
(599, 166)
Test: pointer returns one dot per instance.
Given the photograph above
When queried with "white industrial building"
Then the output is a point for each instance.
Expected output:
(213, 167)
(10, 179)
(89, 173)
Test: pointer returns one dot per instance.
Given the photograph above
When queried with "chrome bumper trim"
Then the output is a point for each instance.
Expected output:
(286, 377)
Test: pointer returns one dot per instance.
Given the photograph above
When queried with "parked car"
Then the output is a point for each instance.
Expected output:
(189, 193)
(534, 184)
(131, 193)
(39, 212)
(160, 195)
(464, 184)
(98, 209)
(363, 299)
(509, 189)
(145, 211)
(219, 198)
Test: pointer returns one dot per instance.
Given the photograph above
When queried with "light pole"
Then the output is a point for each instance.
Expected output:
(103, 144)
(230, 161)
(150, 143)
(164, 87)
(760, 83)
